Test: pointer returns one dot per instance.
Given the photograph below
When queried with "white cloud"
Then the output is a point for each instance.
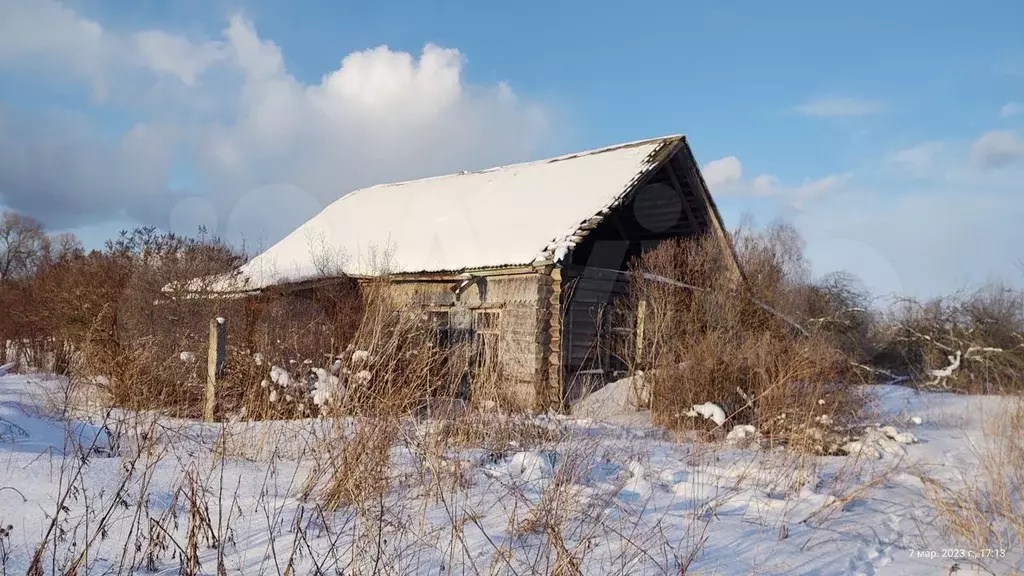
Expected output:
(944, 221)
(381, 81)
(725, 178)
(920, 160)
(1011, 109)
(176, 55)
(954, 226)
(253, 131)
(997, 149)
(723, 172)
(381, 116)
(840, 107)
(46, 35)
(768, 186)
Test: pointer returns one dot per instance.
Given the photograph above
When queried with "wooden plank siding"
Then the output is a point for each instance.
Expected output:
(669, 204)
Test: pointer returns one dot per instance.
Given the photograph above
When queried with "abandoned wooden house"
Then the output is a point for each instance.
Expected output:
(528, 258)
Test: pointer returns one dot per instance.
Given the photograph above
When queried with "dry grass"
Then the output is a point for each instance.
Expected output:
(384, 492)
(494, 431)
(359, 466)
(983, 509)
(341, 504)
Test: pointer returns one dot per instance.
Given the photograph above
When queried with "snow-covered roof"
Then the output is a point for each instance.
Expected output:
(515, 215)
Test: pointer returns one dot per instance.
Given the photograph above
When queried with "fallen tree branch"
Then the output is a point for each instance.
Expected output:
(893, 377)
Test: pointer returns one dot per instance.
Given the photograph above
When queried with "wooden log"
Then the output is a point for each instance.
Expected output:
(552, 395)
(215, 358)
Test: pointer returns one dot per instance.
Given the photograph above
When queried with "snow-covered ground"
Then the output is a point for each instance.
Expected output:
(581, 497)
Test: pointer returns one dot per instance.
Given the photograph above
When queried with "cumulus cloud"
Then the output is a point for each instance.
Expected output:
(48, 36)
(247, 129)
(998, 149)
(723, 172)
(725, 177)
(840, 107)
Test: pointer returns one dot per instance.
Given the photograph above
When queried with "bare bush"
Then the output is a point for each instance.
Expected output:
(367, 355)
(968, 342)
(67, 306)
(109, 307)
(26, 251)
(333, 343)
(744, 347)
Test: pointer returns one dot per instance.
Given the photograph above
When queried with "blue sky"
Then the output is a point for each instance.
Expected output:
(891, 134)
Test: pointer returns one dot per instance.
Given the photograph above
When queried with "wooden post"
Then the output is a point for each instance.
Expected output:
(641, 311)
(215, 358)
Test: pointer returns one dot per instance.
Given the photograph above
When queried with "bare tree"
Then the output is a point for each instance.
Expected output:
(23, 245)
(63, 246)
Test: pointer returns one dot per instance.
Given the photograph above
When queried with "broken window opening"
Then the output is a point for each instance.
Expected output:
(441, 322)
(488, 338)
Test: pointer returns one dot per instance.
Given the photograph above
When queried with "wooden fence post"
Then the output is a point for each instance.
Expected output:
(641, 313)
(215, 358)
